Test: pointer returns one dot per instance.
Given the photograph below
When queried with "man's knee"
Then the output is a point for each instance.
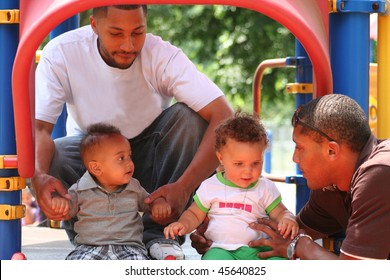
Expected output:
(189, 118)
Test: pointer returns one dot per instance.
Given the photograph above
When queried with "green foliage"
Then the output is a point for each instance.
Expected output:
(227, 44)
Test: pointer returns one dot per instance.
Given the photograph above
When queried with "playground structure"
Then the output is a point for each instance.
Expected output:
(332, 55)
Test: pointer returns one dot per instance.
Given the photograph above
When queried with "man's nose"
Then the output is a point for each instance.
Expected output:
(127, 44)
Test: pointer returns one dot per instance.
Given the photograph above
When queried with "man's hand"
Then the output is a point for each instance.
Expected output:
(198, 240)
(46, 187)
(175, 195)
(276, 241)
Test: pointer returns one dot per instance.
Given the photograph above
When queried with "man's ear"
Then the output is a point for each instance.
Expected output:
(333, 149)
(93, 24)
(94, 167)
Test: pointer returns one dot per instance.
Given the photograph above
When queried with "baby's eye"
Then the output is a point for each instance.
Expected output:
(297, 148)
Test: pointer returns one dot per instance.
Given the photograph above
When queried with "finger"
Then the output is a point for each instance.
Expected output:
(166, 232)
(294, 231)
(65, 213)
(282, 228)
(173, 232)
(203, 227)
(156, 213)
(160, 192)
(287, 231)
(67, 206)
(259, 242)
(199, 242)
(268, 222)
(63, 192)
(266, 255)
(264, 228)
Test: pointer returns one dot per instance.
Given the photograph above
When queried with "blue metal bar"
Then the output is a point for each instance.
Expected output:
(268, 154)
(303, 74)
(350, 54)
(69, 24)
(10, 230)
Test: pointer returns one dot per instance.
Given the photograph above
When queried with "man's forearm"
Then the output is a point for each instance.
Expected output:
(44, 154)
(309, 250)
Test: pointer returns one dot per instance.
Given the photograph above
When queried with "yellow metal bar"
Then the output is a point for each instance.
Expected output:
(38, 54)
(12, 212)
(55, 224)
(9, 16)
(373, 104)
(331, 244)
(12, 184)
(332, 6)
(383, 75)
(299, 88)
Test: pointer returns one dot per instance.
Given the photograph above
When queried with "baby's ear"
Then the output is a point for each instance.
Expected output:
(219, 157)
(94, 167)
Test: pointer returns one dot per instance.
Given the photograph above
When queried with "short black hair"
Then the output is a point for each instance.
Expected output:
(103, 9)
(95, 133)
(340, 117)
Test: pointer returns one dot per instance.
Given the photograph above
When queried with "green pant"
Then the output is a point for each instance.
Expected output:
(242, 253)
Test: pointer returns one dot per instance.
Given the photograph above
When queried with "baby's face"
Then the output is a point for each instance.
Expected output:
(242, 162)
(117, 167)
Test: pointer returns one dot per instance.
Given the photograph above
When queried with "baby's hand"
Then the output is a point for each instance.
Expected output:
(174, 229)
(288, 225)
(60, 205)
(160, 209)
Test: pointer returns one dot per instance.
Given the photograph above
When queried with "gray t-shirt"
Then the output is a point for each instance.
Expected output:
(108, 218)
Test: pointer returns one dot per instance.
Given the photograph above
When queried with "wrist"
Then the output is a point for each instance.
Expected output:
(292, 248)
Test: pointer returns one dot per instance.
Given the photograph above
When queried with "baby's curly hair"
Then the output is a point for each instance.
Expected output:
(242, 127)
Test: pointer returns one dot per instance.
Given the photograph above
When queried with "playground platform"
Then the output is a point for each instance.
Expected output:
(44, 243)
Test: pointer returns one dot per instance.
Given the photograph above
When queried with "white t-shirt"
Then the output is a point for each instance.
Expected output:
(72, 71)
(231, 209)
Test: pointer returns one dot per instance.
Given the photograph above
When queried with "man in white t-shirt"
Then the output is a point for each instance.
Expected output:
(113, 72)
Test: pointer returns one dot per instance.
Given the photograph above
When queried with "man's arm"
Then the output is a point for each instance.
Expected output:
(44, 184)
(204, 162)
(305, 248)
